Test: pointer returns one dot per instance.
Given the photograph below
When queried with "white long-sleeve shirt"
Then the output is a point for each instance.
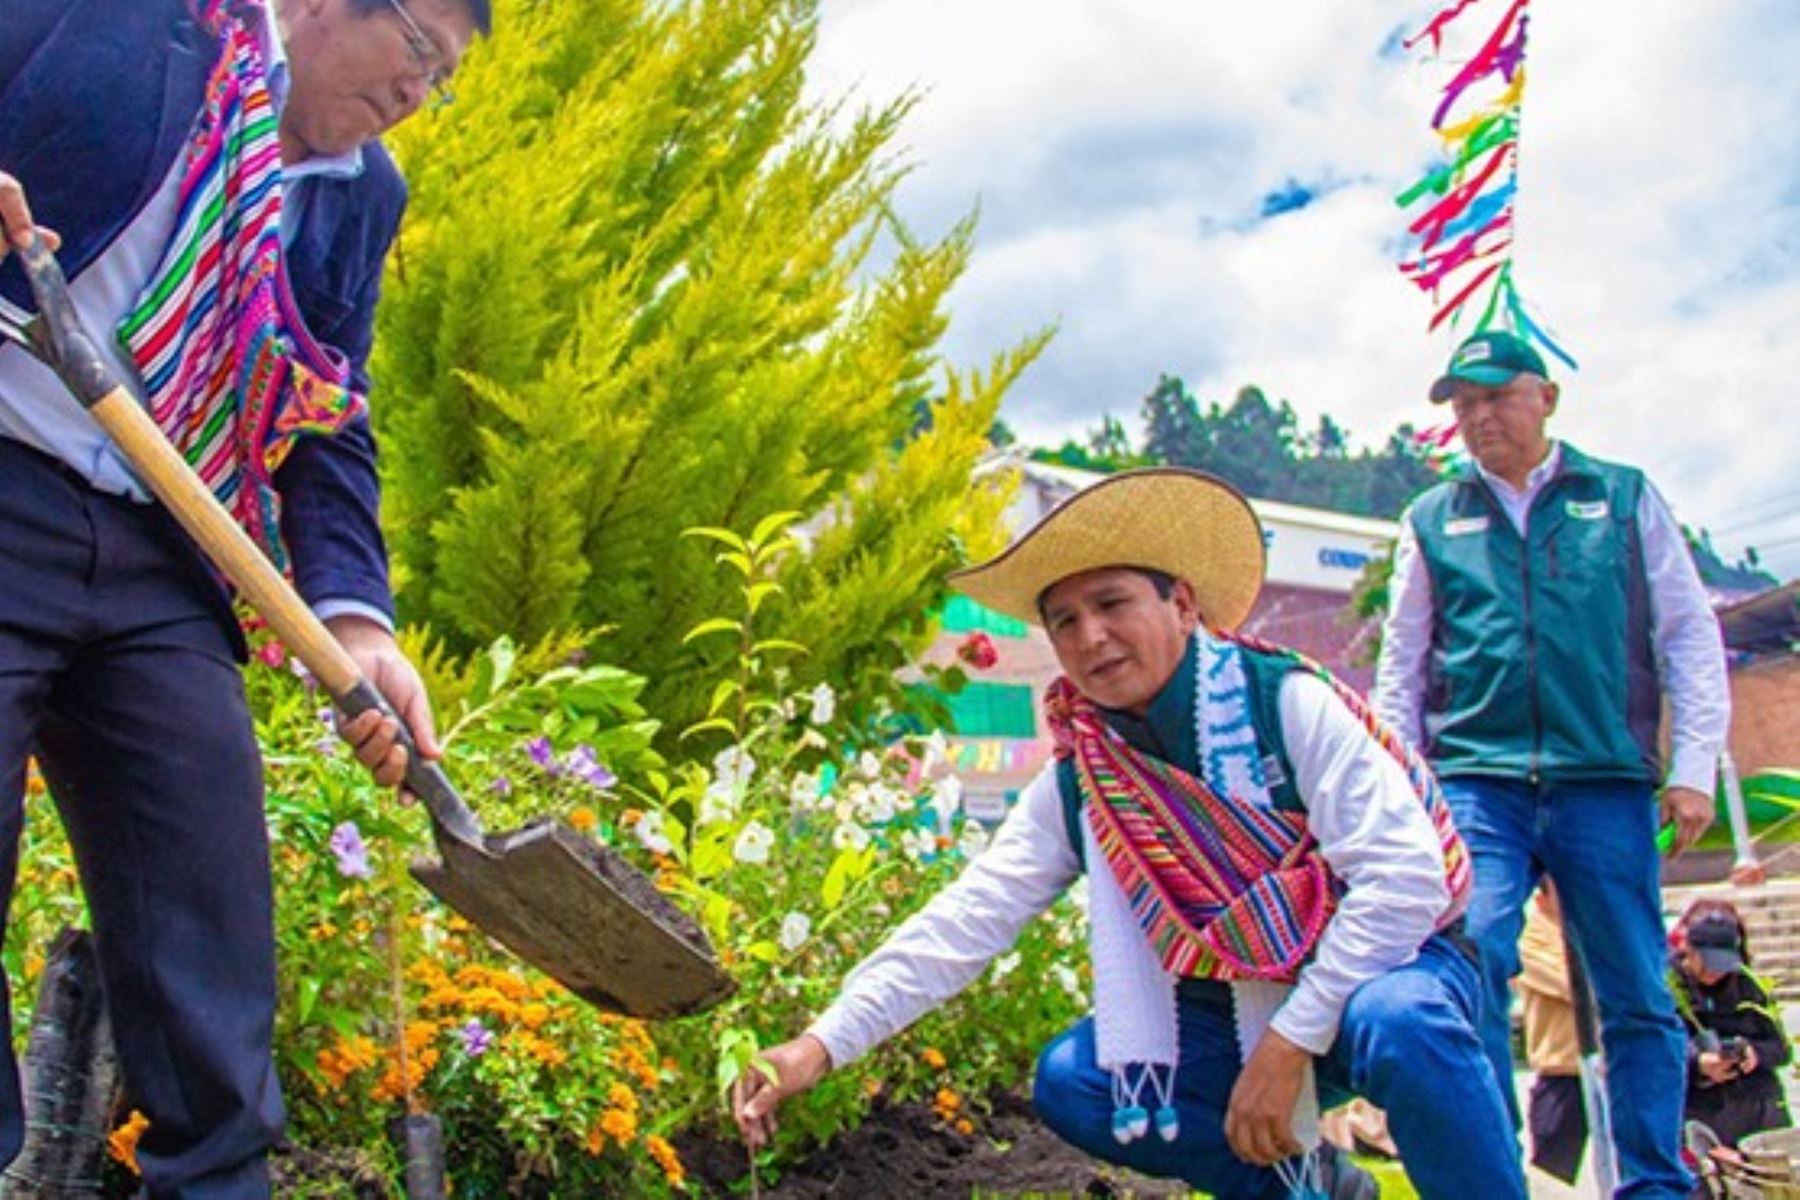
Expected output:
(1370, 827)
(1690, 656)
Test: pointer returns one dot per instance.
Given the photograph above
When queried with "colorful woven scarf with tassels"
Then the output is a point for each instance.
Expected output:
(231, 374)
(1221, 889)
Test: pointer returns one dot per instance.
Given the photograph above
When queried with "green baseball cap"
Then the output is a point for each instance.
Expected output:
(1489, 359)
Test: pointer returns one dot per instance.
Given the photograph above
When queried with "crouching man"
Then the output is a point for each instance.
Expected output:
(1275, 884)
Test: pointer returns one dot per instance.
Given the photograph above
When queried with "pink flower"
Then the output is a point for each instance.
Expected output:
(979, 651)
(271, 654)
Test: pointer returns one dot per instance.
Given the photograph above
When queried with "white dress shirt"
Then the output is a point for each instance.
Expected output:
(1370, 827)
(1690, 658)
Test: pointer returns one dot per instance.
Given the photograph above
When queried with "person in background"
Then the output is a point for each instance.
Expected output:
(1735, 1037)
(1542, 608)
(1555, 1115)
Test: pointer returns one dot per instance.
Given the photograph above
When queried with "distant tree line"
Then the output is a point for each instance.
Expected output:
(1259, 447)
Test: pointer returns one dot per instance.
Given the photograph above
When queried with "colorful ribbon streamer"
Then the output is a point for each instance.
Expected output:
(1463, 257)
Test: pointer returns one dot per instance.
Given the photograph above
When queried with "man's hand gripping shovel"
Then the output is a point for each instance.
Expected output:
(567, 905)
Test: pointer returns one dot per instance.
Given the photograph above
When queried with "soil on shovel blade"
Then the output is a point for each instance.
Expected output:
(905, 1152)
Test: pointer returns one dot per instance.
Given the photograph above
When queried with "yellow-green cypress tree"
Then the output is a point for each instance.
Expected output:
(638, 291)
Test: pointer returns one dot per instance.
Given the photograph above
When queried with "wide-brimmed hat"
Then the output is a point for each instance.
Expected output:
(1182, 522)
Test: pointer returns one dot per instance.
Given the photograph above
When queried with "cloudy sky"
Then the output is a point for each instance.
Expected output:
(1205, 188)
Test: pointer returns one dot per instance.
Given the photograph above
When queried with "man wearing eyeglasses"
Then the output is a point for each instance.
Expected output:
(1543, 604)
(223, 208)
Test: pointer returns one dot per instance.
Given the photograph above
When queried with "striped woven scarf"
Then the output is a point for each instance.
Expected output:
(231, 374)
(1221, 889)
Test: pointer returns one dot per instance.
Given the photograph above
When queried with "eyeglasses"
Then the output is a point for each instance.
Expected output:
(427, 58)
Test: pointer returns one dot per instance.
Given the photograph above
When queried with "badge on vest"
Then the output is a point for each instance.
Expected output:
(1464, 526)
(1273, 775)
(1587, 510)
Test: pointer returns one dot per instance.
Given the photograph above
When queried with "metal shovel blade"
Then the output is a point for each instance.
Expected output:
(580, 913)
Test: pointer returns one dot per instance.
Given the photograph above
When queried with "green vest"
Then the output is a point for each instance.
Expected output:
(1541, 663)
(1167, 731)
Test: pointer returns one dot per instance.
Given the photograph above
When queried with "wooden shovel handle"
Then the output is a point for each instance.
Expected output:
(58, 338)
(168, 475)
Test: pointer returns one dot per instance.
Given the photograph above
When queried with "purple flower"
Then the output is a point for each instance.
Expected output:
(502, 786)
(351, 854)
(586, 766)
(543, 754)
(476, 1038)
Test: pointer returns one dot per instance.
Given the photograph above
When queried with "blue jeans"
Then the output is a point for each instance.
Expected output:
(1597, 841)
(1407, 1042)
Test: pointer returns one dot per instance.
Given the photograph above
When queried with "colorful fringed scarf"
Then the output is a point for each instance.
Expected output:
(231, 374)
(1222, 889)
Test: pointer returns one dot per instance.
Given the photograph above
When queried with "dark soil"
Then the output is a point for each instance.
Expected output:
(904, 1151)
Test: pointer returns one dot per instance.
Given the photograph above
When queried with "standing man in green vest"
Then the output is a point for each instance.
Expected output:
(1274, 886)
(1543, 606)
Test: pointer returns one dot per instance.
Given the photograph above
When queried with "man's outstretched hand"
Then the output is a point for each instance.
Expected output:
(798, 1066)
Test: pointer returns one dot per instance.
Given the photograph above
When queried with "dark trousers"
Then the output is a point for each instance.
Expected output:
(119, 670)
(1559, 1128)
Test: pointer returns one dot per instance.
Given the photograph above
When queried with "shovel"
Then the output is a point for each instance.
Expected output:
(570, 907)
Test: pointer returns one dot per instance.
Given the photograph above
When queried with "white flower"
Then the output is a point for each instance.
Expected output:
(813, 740)
(753, 843)
(849, 836)
(917, 843)
(1066, 977)
(824, 704)
(878, 805)
(718, 803)
(868, 765)
(650, 833)
(1005, 965)
(803, 791)
(735, 765)
(974, 839)
(796, 927)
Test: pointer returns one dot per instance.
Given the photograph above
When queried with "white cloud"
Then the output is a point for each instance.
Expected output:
(1119, 150)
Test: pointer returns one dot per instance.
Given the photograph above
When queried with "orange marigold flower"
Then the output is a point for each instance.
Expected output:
(620, 1096)
(871, 1087)
(350, 1055)
(965, 1126)
(619, 1125)
(583, 820)
(946, 1103)
(532, 1015)
(934, 1058)
(666, 1158)
(630, 817)
(122, 1142)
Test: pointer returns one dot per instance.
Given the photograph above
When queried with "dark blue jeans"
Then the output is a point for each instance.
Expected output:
(1597, 841)
(1407, 1042)
(119, 669)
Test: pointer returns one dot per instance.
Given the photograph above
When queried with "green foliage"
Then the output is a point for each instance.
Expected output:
(638, 291)
(1259, 447)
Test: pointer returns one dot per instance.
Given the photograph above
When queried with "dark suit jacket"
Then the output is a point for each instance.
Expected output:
(96, 100)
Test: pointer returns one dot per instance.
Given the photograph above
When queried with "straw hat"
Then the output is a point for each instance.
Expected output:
(1182, 522)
